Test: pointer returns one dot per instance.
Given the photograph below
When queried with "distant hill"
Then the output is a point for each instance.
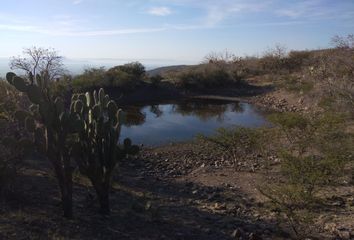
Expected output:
(161, 70)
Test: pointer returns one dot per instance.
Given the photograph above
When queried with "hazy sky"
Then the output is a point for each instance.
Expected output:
(170, 29)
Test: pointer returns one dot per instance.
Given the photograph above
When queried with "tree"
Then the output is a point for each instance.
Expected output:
(42, 61)
(220, 57)
(346, 42)
(135, 68)
(273, 59)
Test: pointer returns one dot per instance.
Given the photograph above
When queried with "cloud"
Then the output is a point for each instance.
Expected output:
(76, 2)
(316, 10)
(113, 32)
(159, 11)
(20, 28)
(217, 11)
(75, 33)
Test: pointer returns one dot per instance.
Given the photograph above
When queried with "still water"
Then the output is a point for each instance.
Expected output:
(173, 122)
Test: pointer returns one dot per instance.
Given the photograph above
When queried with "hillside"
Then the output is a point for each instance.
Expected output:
(162, 70)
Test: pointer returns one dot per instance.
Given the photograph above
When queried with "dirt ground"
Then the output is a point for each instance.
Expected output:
(157, 196)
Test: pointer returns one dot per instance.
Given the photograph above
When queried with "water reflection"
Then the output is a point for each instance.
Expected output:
(202, 109)
(206, 110)
(155, 109)
(134, 116)
(162, 123)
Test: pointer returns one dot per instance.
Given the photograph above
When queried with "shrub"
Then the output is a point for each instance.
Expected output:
(11, 154)
(91, 78)
(273, 59)
(296, 84)
(296, 60)
(334, 75)
(128, 77)
(135, 69)
(314, 151)
(238, 142)
(156, 80)
(206, 76)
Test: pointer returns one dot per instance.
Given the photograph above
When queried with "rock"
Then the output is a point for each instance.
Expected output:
(338, 202)
(267, 232)
(331, 227)
(254, 236)
(257, 216)
(237, 233)
(345, 235)
(213, 196)
(218, 206)
(207, 230)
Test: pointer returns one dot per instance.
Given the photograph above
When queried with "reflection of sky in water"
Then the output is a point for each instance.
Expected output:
(176, 125)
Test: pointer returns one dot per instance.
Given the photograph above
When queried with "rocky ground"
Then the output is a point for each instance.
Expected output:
(178, 191)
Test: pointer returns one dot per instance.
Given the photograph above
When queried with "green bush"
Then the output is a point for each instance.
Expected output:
(127, 76)
(238, 142)
(297, 59)
(156, 80)
(207, 76)
(296, 84)
(135, 69)
(91, 78)
(62, 88)
(314, 151)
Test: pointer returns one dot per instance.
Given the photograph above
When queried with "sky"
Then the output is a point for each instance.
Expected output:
(181, 30)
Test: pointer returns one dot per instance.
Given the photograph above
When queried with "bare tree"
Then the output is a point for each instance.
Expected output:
(43, 61)
(346, 42)
(278, 51)
(217, 57)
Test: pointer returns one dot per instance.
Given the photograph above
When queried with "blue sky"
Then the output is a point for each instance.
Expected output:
(183, 30)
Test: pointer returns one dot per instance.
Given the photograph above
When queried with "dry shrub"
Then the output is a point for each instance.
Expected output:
(10, 154)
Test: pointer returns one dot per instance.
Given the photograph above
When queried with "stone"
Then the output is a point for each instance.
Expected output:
(218, 206)
(345, 235)
(237, 233)
(254, 236)
(331, 227)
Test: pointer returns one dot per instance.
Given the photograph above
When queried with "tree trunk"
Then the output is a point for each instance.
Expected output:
(68, 181)
(67, 202)
(65, 185)
(104, 202)
(102, 190)
(61, 164)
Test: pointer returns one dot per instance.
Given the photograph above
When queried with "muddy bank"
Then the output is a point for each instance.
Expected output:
(147, 93)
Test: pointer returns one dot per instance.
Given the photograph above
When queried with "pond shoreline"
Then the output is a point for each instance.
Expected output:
(147, 93)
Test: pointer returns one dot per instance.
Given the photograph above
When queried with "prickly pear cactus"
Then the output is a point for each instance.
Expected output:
(50, 125)
(97, 149)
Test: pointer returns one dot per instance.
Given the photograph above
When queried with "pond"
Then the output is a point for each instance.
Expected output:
(173, 122)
